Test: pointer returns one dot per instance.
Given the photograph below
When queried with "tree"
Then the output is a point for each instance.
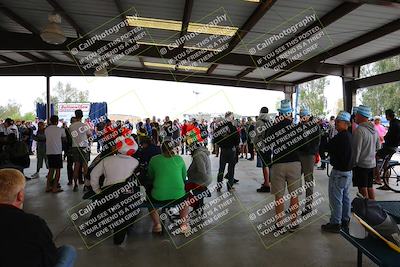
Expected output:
(11, 110)
(67, 93)
(312, 96)
(385, 96)
(339, 106)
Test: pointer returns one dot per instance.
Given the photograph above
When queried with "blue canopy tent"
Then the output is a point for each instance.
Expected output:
(98, 112)
(41, 110)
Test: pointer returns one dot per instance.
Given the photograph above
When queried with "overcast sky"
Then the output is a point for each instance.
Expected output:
(144, 98)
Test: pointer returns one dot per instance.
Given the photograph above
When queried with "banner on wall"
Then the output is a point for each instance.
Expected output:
(67, 110)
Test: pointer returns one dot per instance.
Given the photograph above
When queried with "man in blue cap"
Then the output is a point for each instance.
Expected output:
(340, 179)
(307, 154)
(286, 168)
(365, 145)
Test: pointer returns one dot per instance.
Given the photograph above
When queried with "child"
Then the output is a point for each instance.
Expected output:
(341, 158)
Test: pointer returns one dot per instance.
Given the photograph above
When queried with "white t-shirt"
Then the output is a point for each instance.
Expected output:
(115, 169)
(80, 132)
(53, 139)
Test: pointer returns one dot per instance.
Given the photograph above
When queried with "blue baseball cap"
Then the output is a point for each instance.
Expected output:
(343, 116)
(286, 107)
(364, 111)
(304, 111)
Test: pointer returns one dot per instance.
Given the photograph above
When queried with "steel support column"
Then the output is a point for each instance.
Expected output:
(48, 101)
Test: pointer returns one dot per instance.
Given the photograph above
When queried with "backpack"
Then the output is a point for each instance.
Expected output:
(372, 213)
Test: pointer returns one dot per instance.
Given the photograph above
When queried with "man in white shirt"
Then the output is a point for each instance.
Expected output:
(116, 169)
(54, 136)
(9, 127)
(80, 146)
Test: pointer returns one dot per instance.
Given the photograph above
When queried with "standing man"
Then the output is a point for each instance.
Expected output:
(286, 169)
(307, 154)
(365, 144)
(227, 138)
(340, 179)
(259, 133)
(80, 147)
(54, 136)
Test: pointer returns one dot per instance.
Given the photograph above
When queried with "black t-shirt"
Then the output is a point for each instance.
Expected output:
(25, 239)
(226, 135)
(392, 137)
(285, 152)
(341, 154)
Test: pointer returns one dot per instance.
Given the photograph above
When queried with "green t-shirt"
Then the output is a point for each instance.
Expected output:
(168, 175)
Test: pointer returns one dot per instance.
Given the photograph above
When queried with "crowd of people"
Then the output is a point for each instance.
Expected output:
(149, 151)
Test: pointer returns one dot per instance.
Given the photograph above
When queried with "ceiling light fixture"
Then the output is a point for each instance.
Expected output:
(174, 25)
(52, 33)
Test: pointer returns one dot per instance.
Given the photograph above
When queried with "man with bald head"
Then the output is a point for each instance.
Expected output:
(26, 240)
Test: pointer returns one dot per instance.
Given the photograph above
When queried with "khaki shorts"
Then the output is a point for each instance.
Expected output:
(81, 155)
(285, 173)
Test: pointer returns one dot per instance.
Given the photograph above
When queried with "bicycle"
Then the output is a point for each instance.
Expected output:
(389, 171)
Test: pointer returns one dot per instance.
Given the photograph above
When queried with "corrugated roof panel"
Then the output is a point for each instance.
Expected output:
(282, 14)
(16, 57)
(36, 13)
(60, 56)
(294, 76)
(360, 21)
(228, 70)
(161, 9)
(385, 43)
(10, 25)
(236, 11)
(260, 73)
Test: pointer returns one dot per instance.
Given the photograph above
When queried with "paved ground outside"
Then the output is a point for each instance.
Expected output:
(233, 238)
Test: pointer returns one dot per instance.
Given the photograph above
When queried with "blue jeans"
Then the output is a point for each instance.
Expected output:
(339, 200)
(66, 256)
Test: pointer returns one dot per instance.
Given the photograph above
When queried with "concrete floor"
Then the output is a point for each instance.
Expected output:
(235, 242)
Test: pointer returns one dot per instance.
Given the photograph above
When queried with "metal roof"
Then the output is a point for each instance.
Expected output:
(356, 32)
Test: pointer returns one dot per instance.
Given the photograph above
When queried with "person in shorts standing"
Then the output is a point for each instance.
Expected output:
(365, 144)
(307, 153)
(80, 146)
(259, 134)
(341, 157)
(285, 170)
(54, 136)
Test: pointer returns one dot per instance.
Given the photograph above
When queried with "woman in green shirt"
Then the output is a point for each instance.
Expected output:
(168, 173)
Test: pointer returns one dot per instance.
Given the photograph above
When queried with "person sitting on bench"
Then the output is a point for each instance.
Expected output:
(199, 172)
(168, 173)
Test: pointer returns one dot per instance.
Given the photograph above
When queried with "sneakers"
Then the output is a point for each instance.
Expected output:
(331, 228)
(293, 227)
(306, 211)
(264, 189)
(75, 188)
(235, 181)
(35, 175)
